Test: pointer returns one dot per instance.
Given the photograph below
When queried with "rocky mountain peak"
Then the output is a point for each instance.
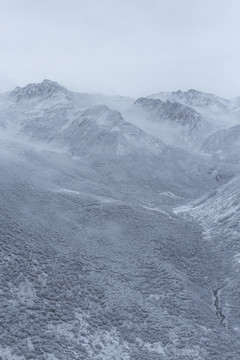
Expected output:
(45, 89)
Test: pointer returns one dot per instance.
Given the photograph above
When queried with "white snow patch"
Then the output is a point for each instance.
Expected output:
(6, 354)
(101, 345)
(25, 292)
(79, 193)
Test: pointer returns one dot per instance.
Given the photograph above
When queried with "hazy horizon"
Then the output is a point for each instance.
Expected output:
(132, 48)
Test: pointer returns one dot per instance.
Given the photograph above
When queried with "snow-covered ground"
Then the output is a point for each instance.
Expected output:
(114, 244)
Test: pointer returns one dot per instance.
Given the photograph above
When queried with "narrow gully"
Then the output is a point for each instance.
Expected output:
(219, 312)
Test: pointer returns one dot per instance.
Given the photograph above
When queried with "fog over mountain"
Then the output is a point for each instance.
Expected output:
(119, 225)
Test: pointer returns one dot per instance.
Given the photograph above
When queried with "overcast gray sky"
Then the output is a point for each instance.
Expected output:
(129, 47)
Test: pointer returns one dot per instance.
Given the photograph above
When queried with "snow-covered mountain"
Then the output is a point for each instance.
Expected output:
(103, 137)
(220, 112)
(157, 110)
(184, 120)
(103, 132)
(194, 98)
(95, 262)
(43, 110)
(43, 91)
(49, 93)
(51, 114)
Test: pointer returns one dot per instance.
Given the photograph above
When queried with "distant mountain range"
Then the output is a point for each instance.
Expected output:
(203, 102)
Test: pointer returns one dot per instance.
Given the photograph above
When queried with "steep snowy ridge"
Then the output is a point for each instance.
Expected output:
(157, 110)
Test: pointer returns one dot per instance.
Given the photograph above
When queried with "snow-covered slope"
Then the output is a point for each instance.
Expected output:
(86, 276)
(225, 142)
(220, 209)
(224, 148)
(219, 213)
